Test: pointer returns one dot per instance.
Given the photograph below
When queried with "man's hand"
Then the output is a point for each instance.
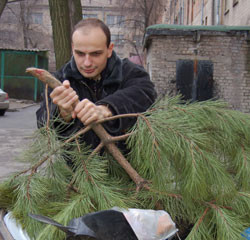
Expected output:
(65, 97)
(88, 112)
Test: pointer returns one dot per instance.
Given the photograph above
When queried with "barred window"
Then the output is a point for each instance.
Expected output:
(110, 20)
(118, 20)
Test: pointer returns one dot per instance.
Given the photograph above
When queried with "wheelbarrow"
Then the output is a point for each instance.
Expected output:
(4, 231)
(112, 224)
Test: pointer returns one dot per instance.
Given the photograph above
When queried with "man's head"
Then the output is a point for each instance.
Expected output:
(91, 47)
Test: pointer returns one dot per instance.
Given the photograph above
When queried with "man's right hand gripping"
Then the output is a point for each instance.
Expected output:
(66, 98)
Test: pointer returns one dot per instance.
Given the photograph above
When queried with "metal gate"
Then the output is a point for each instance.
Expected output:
(14, 79)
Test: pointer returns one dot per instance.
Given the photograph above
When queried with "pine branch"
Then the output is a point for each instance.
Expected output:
(121, 138)
(195, 157)
(47, 106)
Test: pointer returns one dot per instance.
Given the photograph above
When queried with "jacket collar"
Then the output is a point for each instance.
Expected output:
(112, 74)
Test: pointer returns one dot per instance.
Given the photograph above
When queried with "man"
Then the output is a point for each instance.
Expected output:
(97, 84)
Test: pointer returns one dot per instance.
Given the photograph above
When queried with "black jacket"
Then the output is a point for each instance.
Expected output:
(124, 87)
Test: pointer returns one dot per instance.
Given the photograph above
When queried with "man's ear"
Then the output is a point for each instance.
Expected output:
(110, 49)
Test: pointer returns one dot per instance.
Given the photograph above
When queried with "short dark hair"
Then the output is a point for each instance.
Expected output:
(94, 22)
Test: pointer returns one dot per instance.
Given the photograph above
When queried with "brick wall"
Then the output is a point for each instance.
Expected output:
(228, 51)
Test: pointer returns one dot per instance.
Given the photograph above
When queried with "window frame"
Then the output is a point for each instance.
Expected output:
(36, 18)
(89, 15)
(226, 7)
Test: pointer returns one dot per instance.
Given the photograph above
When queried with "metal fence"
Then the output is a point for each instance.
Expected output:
(13, 78)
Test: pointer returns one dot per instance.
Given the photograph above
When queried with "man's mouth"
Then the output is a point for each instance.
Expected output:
(89, 70)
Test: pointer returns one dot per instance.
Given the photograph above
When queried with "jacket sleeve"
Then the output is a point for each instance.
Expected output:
(135, 95)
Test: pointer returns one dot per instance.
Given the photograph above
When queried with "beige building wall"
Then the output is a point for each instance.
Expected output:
(236, 14)
(175, 8)
(9, 25)
(40, 29)
(209, 12)
(204, 14)
(110, 12)
(223, 12)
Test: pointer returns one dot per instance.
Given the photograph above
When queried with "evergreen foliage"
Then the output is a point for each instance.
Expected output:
(194, 157)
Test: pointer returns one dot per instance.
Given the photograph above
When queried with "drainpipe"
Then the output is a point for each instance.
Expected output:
(213, 15)
(182, 12)
(170, 11)
(202, 12)
(218, 13)
(188, 10)
(192, 13)
(174, 10)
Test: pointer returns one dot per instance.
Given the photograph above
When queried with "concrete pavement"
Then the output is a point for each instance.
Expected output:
(16, 104)
(16, 129)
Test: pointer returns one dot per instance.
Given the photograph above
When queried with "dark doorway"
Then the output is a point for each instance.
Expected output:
(194, 79)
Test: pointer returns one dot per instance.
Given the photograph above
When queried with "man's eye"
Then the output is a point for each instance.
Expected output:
(96, 54)
(80, 54)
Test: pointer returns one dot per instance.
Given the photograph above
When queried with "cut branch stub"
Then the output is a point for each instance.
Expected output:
(105, 138)
(44, 76)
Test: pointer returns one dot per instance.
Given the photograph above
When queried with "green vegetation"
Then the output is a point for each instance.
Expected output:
(194, 157)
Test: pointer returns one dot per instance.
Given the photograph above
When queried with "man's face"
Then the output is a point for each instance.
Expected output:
(89, 47)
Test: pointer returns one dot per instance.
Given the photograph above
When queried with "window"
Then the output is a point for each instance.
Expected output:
(36, 18)
(226, 7)
(89, 16)
(8, 17)
(6, 35)
(120, 20)
(137, 39)
(176, 20)
(110, 19)
(117, 39)
(235, 2)
(117, 20)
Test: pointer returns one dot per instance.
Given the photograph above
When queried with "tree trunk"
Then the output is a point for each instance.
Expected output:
(24, 22)
(60, 18)
(2, 6)
(75, 12)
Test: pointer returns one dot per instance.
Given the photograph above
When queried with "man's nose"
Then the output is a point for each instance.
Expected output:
(87, 61)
